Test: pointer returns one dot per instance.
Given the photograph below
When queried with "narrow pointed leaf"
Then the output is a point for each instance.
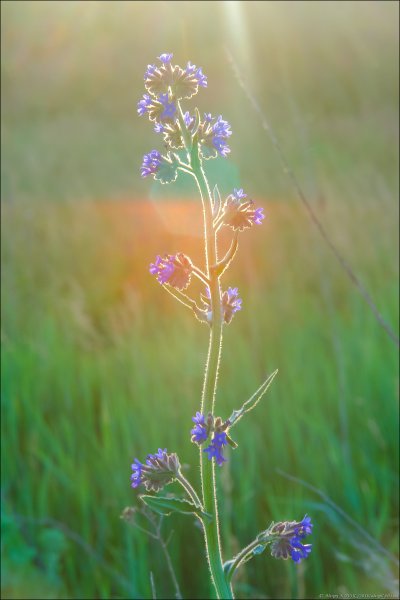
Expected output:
(217, 201)
(164, 505)
(251, 402)
(197, 120)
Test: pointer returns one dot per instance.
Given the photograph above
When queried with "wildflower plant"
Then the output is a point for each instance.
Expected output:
(190, 139)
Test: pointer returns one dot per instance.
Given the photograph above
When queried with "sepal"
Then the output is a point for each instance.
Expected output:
(182, 84)
(167, 171)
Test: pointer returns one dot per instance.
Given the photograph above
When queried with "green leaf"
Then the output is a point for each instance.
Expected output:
(197, 120)
(167, 171)
(194, 153)
(208, 152)
(251, 402)
(165, 505)
(217, 201)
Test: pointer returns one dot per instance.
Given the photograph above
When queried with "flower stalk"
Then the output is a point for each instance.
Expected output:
(189, 140)
(207, 467)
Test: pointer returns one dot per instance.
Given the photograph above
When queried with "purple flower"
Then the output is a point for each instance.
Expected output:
(159, 454)
(165, 58)
(143, 104)
(151, 163)
(201, 78)
(221, 130)
(199, 418)
(214, 450)
(136, 477)
(176, 270)
(221, 146)
(190, 69)
(199, 432)
(238, 194)
(239, 212)
(188, 119)
(198, 74)
(222, 127)
(231, 303)
(149, 71)
(213, 133)
(258, 216)
(287, 539)
(159, 470)
(304, 528)
(169, 107)
(159, 128)
(298, 551)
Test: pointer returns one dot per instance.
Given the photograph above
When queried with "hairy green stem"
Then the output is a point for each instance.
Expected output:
(189, 490)
(243, 556)
(207, 467)
(211, 530)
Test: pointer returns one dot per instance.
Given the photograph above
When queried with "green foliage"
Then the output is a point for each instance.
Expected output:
(31, 559)
(167, 505)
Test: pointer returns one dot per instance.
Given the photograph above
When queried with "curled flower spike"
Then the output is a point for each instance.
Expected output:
(287, 539)
(214, 450)
(182, 83)
(239, 213)
(159, 470)
(231, 303)
(151, 163)
(174, 269)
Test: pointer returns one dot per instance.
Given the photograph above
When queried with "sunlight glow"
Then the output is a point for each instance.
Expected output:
(237, 32)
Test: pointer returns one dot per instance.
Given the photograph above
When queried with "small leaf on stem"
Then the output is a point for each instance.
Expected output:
(251, 402)
(165, 505)
(217, 202)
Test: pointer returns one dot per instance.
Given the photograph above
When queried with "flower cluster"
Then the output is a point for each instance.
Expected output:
(159, 470)
(213, 133)
(151, 163)
(200, 430)
(287, 539)
(174, 269)
(206, 427)
(166, 85)
(214, 450)
(239, 213)
(230, 302)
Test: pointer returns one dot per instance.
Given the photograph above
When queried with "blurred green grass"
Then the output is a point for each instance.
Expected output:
(89, 378)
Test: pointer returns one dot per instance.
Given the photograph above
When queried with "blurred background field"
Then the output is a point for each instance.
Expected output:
(99, 365)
